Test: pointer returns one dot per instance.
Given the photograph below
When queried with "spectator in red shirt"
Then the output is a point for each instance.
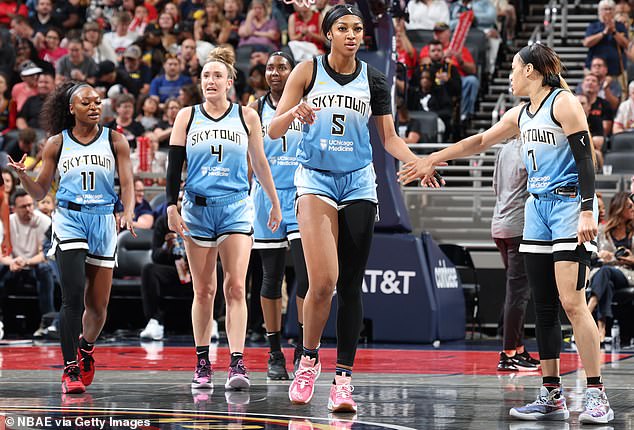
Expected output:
(305, 25)
(9, 9)
(463, 62)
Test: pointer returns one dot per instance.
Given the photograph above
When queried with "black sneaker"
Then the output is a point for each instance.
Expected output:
(514, 364)
(527, 357)
(277, 367)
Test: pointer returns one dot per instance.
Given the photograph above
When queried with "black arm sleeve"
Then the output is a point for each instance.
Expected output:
(581, 146)
(380, 94)
(175, 160)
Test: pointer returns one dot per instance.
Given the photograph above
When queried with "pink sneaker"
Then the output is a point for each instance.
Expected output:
(300, 425)
(340, 399)
(303, 386)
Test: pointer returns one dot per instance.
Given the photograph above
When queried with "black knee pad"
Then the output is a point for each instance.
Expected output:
(299, 264)
(273, 263)
(580, 255)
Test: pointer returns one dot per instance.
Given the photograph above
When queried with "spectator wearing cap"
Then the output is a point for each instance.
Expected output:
(108, 75)
(152, 48)
(102, 51)
(51, 50)
(120, 38)
(124, 121)
(11, 8)
(167, 85)
(464, 64)
(423, 14)
(28, 87)
(136, 71)
(29, 115)
(77, 65)
(259, 28)
(43, 19)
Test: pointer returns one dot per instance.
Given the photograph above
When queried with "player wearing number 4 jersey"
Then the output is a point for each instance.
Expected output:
(217, 212)
(84, 231)
(560, 221)
(336, 204)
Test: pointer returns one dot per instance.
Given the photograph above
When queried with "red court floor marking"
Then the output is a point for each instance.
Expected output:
(157, 358)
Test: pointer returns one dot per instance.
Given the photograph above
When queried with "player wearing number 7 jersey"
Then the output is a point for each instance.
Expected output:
(217, 212)
(337, 200)
(560, 221)
(86, 155)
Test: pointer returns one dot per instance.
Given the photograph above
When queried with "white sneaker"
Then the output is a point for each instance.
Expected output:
(153, 330)
(1, 329)
(215, 336)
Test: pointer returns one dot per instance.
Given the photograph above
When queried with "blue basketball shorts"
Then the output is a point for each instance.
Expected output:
(212, 219)
(95, 231)
(550, 224)
(288, 230)
(337, 189)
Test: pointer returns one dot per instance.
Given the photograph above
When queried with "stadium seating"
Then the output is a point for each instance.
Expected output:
(621, 162)
(623, 141)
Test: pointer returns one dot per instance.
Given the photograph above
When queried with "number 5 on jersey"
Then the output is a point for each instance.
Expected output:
(338, 124)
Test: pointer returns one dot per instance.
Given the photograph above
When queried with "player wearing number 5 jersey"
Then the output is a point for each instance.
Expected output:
(336, 204)
(87, 156)
(560, 221)
(217, 212)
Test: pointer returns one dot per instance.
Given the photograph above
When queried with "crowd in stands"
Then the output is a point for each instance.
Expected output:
(145, 58)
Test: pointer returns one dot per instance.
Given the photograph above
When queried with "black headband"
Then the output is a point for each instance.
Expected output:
(337, 12)
(72, 90)
(283, 54)
(550, 79)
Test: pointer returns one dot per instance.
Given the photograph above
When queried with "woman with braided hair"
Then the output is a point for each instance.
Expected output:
(87, 156)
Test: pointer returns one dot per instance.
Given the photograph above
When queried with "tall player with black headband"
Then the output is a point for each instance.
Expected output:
(560, 221)
(336, 188)
(84, 231)
(272, 246)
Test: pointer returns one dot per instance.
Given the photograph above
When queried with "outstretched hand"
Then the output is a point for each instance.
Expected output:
(18, 166)
(424, 169)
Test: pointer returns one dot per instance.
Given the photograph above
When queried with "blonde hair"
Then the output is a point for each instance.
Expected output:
(224, 55)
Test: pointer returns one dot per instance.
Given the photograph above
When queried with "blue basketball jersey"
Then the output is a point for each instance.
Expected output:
(339, 139)
(87, 171)
(216, 152)
(545, 148)
(282, 152)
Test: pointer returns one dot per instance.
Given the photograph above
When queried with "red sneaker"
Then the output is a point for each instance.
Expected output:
(71, 380)
(86, 365)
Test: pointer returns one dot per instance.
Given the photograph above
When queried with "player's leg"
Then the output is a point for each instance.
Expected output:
(235, 250)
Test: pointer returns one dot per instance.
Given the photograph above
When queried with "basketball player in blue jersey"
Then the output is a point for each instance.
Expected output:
(272, 246)
(217, 212)
(560, 221)
(86, 156)
(336, 188)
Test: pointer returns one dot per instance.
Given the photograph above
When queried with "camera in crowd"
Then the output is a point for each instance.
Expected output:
(621, 252)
